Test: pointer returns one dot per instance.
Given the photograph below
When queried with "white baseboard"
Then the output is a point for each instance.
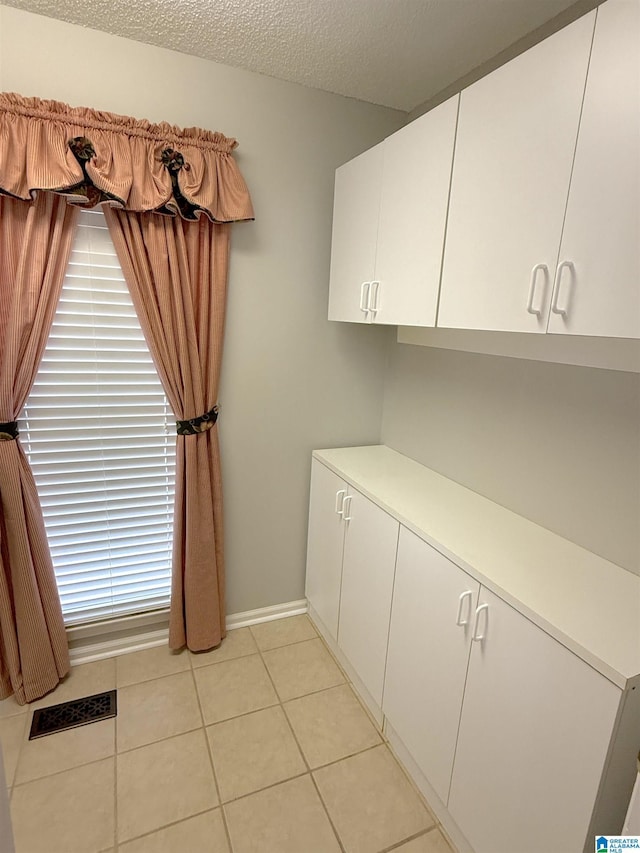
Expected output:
(134, 633)
(266, 614)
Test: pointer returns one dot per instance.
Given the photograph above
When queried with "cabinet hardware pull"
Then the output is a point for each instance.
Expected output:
(346, 508)
(476, 636)
(459, 620)
(375, 293)
(340, 502)
(364, 301)
(556, 288)
(532, 288)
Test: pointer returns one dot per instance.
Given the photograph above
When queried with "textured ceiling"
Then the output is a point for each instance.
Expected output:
(398, 53)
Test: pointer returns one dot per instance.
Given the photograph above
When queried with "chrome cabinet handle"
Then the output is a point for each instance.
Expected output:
(340, 502)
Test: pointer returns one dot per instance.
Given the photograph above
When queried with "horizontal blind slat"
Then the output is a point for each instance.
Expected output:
(100, 437)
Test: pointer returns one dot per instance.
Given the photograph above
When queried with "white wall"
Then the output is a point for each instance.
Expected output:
(556, 443)
(291, 380)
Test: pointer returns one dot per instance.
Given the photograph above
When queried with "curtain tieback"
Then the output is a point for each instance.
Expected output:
(9, 431)
(194, 426)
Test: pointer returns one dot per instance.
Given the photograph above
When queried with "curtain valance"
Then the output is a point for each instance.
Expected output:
(95, 157)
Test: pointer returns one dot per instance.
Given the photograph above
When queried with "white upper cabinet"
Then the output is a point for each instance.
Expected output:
(413, 211)
(356, 204)
(390, 210)
(598, 282)
(515, 143)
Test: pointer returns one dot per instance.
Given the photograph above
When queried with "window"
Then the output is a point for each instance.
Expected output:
(100, 437)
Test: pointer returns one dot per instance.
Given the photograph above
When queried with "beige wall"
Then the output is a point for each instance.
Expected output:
(291, 380)
(556, 443)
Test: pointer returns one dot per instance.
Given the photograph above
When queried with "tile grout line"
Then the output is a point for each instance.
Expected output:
(116, 752)
(326, 811)
(268, 671)
(384, 742)
(266, 788)
(284, 713)
(378, 727)
(399, 844)
(66, 770)
(23, 740)
(155, 677)
(295, 776)
(280, 702)
(304, 757)
(211, 761)
(342, 757)
(167, 825)
(414, 786)
(158, 740)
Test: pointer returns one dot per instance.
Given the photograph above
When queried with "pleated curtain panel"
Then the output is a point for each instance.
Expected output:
(170, 196)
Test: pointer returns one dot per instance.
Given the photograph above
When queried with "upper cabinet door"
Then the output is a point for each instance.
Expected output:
(598, 283)
(356, 205)
(413, 211)
(515, 144)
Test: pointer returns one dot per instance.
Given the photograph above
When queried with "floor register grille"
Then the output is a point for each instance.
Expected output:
(70, 715)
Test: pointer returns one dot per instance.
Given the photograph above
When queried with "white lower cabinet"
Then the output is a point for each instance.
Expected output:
(534, 735)
(520, 721)
(351, 555)
(324, 545)
(367, 586)
(433, 607)
(528, 722)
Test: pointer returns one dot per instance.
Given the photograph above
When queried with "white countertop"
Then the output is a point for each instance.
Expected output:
(590, 605)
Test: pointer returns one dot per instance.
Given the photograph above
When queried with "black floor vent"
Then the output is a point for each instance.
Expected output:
(77, 712)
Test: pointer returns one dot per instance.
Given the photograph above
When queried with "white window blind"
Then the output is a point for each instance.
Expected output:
(100, 437)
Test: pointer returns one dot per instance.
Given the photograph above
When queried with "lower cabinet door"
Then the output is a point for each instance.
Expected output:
(534, 733)
(324, 545)
(370, 544)
(433, 607)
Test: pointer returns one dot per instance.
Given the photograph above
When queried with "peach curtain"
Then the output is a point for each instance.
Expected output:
(35, 242)
(177, 275)
(176, 270)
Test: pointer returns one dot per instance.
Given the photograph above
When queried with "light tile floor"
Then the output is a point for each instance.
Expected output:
(260, 746)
